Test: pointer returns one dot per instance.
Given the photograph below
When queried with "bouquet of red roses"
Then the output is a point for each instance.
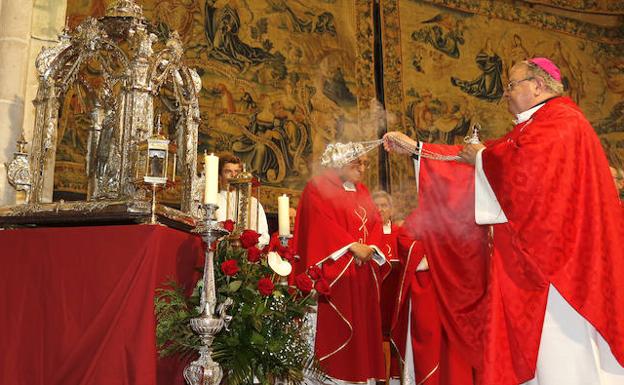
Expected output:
(267, 338)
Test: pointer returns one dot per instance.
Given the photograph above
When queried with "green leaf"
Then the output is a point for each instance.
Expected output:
(246, 310)
(248, 293)
(232, 341)
(261, 308)
(256, 338)
(257, 324)
(234, 286)
(275, 346)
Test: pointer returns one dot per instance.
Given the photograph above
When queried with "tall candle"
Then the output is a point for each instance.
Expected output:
(283, 206)
(211, 172)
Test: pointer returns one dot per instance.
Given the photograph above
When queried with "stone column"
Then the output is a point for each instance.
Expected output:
(15, 17)
(25, 27)
(48, 21)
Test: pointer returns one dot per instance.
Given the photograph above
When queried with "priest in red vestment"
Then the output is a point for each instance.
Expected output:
(338, 228)
(390, 284)
(524, 241)
(428, 356)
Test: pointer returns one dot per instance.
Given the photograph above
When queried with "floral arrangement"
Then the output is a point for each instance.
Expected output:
(267, 338)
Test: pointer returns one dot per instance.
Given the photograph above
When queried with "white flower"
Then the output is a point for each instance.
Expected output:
(278, 265)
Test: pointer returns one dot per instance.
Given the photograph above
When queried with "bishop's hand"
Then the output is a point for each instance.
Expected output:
(361, 252)
(398, 142)
(468, 154)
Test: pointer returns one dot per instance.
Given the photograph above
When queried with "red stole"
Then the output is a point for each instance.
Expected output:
(348, 340)
(552, 180)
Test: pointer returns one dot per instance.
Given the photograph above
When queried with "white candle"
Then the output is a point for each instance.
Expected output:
(283, 206)
(211, 172)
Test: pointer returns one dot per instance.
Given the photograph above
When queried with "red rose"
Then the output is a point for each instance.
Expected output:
(286, 253)
(254, 254)
(230, 267)
(265, 286)
(274, 242)
(255, 182)
(315, 272)
(322, 287)
(304, 283)
(228, 225)
(249, 238)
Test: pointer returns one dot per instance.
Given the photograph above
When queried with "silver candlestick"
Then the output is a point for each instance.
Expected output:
(284, 242)
(284, 239)
(204, 371)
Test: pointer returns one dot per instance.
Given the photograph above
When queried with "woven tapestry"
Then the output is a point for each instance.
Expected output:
(447, 61)
(281, 79)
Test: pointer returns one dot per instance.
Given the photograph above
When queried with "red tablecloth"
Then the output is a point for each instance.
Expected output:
(77, 303)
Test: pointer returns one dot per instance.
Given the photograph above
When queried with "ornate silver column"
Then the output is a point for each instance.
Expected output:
(204, 371)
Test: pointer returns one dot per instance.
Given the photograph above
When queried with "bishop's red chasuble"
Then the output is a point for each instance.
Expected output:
(348, 334)
(565, 228)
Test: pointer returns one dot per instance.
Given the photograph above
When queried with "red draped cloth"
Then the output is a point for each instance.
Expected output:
(77, 303)
(456, 248)
(348, 334)
(564, 228)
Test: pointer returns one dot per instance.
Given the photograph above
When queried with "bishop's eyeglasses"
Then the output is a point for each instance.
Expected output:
(512, 84)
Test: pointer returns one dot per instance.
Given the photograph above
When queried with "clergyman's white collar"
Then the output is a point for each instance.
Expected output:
(526, 115)
(349, 186)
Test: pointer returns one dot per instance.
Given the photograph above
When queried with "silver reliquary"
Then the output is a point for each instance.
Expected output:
(116, 72)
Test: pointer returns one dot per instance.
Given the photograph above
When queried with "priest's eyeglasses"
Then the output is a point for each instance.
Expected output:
(512, 84)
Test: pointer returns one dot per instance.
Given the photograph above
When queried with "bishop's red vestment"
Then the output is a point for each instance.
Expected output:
(564, 228)
(348, 333)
